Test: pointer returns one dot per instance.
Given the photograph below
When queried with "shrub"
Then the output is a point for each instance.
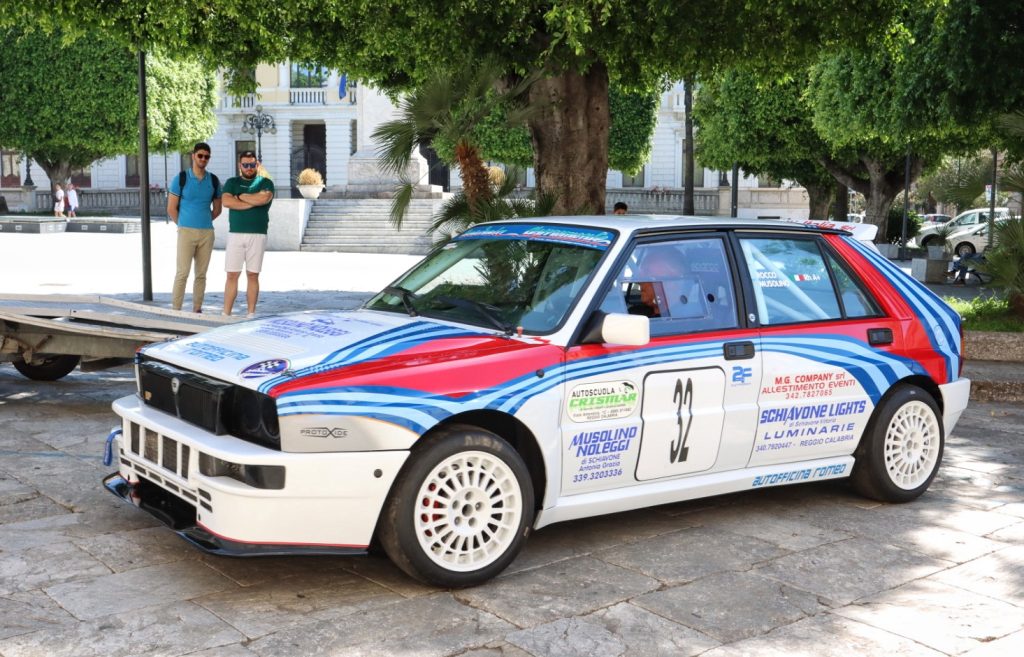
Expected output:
(1005, 263)
(310, 177)
(894, 225)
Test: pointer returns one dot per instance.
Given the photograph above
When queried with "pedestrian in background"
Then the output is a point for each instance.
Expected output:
(248, 197)
(58, 201)
(72, 200)
(620, 208)
(193, 202)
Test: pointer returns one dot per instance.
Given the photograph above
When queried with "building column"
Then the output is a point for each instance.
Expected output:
(339, 143)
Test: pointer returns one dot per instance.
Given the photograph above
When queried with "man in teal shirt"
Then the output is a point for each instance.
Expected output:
(193, 203)
(247, 197)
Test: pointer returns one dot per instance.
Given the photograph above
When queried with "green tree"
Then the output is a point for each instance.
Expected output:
(764, 126)
(67, 106)
(576, 46)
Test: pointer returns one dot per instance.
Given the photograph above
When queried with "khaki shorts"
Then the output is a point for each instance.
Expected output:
(247, 249)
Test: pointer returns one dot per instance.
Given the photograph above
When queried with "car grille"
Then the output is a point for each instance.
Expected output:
(217, 406)
(163, 455)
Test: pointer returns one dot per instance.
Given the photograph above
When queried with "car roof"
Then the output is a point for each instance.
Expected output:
(637, 223)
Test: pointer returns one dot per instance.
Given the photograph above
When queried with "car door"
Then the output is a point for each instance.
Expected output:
(686, 403)
(816, 320)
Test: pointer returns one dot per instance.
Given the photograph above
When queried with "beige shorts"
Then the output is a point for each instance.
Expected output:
(247, 249)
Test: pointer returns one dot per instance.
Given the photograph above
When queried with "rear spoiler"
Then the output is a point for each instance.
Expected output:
(864, 233)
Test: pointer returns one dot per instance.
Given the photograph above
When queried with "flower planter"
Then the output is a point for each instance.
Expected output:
(310, 191)
(936, 253)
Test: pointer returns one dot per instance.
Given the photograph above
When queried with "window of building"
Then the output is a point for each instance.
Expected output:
(82, 176)
(306, 76)
(243, 145)
(636, 180)
(10, 171)
(131, 170)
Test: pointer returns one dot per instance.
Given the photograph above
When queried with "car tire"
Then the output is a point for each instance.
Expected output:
(49, 368)
(931, 241)
(964, 249)
(901, 449)
(482, 495)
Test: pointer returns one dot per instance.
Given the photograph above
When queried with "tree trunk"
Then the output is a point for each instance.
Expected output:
(688, 166)
(476, 182)
(841, 202)
(57, 171)
(570, 139)
(820, 197)
(879, 182)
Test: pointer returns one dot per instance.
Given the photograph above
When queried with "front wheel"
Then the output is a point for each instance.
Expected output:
(48, 368)
(901, 449)
(460, 510)
(965, 249)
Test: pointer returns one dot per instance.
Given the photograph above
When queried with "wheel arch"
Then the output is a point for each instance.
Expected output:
(918, 380)
(512, 431)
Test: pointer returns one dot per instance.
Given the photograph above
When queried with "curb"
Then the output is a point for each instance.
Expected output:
(994, 362)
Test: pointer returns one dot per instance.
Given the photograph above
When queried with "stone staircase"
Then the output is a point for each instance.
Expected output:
(363, 226)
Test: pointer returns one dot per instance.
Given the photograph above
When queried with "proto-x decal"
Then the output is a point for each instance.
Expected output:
(590, 238)
(804, 474)
(324, 432)
(607, 400)
(264, 368)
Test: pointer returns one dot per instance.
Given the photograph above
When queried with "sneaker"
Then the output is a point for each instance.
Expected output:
(250, 316)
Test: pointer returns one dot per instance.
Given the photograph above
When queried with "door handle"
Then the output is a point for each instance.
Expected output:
(738, 350)
(879, 336)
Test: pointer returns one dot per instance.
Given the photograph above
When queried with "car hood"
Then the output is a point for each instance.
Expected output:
(264, 352)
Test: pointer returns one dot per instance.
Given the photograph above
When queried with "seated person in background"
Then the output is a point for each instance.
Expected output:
(620, 208)
(961, 268)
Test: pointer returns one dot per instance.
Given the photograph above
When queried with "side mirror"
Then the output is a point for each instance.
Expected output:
(618, 328)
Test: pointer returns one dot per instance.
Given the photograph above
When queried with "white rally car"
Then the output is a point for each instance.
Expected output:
(532, 372)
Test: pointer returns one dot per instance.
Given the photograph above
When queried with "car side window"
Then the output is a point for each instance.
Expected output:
(684, 286)
(856, 301)
(791, 280)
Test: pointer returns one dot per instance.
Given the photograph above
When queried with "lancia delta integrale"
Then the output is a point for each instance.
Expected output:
(532, 372)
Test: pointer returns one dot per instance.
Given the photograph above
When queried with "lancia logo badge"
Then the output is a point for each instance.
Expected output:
(175, 385)
(264, 368)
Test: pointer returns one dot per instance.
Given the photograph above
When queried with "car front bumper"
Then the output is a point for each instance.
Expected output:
(328, 503)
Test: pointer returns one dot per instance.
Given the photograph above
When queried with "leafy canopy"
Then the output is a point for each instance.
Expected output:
(78, 103)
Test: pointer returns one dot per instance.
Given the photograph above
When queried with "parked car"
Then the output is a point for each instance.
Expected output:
(536, 371)
(933, 235)
(971, 240)
(935, 219)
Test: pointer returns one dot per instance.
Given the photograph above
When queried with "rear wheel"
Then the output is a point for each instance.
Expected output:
(900, 452)
(460, 510)
(48, 368)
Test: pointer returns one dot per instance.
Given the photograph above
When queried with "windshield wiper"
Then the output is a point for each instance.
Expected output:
(405, 296)
(482, 309)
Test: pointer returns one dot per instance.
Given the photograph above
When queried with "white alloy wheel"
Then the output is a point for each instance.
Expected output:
(469, 510)
(912, 445)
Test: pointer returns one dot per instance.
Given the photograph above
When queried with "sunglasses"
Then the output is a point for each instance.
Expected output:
(202, 156)
(248, 165)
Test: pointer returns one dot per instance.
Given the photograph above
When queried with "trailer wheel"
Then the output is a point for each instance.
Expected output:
(49, 368)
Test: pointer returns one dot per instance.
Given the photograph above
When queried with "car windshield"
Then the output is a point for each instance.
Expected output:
(501, 277)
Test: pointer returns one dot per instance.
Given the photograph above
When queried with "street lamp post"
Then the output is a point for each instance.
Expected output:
(257, 124)
(28, 172)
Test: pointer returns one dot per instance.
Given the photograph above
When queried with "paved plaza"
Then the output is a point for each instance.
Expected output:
(805, 570)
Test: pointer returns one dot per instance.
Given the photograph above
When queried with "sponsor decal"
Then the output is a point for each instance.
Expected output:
(324, 432)
(794, 476)
(806, 277)
(288, 328)
(587, 237)
(264, 368)
(213, 352)
(600, 453)
(806, 386)
(741, 375)
(810, 425)
(607, 400)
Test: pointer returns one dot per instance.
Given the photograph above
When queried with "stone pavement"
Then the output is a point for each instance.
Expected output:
(804, 570)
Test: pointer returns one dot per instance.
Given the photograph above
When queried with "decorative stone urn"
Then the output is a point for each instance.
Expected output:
(311, 191)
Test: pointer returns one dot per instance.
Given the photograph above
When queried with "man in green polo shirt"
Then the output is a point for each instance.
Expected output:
(247, 197)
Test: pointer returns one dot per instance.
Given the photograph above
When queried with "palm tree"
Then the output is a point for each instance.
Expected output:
(449, 105)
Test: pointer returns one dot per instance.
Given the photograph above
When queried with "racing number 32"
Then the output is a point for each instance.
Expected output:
(678, 451)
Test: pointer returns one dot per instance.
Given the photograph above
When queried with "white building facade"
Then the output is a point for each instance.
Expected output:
(310, 117)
